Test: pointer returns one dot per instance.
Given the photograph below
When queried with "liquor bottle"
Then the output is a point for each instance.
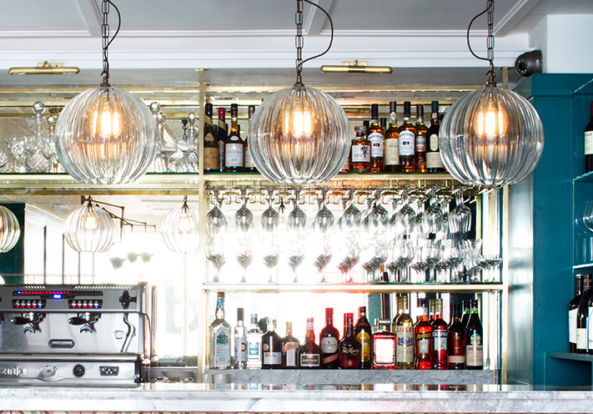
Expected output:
(290, 348)
(583, 316)
(271, 347)
(364, 335)
(466, 312)
(221, 137)
(384, 346)
(309, 353)
(439, 338)
(421, 134)
(219, 336)
(474, 358)
(392, 141)
(240, 342)
(210, 144)
(361, 151)
(376, 135)
(405, 337)
(328, 342)
(254, 345)
(407, 141)
(434, 162)
(234, 145)
(589, 144)
(249, 165)
(431, 310)
(424, 345)
(383, 122)
(573, 307)
(456, 340)
(349, 347)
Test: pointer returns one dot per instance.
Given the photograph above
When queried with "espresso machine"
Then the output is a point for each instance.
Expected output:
(74, 335)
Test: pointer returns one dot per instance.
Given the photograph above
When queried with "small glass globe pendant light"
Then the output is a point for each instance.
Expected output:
(179, 229)
(10, 231)
(300, 135)
(106, 135)
(89, 229)
(491, 137)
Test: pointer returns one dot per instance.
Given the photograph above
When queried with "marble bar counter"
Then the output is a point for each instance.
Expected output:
(380, 398)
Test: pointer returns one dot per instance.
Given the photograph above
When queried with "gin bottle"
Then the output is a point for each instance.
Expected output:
(219, 338)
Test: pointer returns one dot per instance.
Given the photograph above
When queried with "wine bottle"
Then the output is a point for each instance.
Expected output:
(361, 151)
(407, 140)
(221, 137)
(254, 344)
(234, 145)
(439, 338)
(421, 133)
(219, 337)
(310, 353)
(240, 342)
(466, 312)
(583, 316)
(589, 144)
(573, 307)
(456, 340)
(376, 135)
(210, 144)
(384, 346)
(328, 341)
(271, 347)
(392, 141)
(434, 161)
(405, 338)
(474, 357)
(290, 348)
(249, 165)
(349, 347)
(364, 335)
(423, 334)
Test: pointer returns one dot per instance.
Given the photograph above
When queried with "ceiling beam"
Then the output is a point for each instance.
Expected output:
(92, 16)
(315, 19)
(514, 16)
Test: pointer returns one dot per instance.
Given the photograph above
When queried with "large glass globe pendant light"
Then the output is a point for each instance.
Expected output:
(491, 137)
(300, 135)
(10, 231)
(89, 229)
(179, 229)
(106, 135)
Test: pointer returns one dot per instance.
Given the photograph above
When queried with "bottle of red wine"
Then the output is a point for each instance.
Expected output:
(328, 342)
(456, 340)
(589, 144)
(583, 316)
(474, 355)
(434, 162)
(573, 308)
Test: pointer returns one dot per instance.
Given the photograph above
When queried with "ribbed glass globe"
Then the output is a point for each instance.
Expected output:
(491, 137)
(10, 231)
(179, 230)
(106, 135)
(299, 135)
(89, 229)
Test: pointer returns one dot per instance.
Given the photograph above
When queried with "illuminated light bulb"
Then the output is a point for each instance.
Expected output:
(90, 222)
(186, 223)
(300, 124)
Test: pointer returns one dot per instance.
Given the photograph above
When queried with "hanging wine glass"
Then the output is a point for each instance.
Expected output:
(296, 228)
(433, 215)
(347, 239)
(216, 227)
(445, 201)
(350, 221)
(244, 227)
(406, 216)
(404, 252)
(268, 235)
(461, 214)
(376, 225)
(322, 227)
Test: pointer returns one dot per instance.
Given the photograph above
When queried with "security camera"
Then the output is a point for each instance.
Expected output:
(529, 63)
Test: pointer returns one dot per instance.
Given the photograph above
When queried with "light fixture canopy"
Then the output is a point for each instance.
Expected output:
(89, 229)
(300, 135)
(179, 229)
(491, 137)
(10, 231)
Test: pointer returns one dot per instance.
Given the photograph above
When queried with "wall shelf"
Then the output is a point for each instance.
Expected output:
(587, 177)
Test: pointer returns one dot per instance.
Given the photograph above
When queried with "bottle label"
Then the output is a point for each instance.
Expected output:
(310, 360)
(361, 153)
(209, 137)
(475, 339)
(440, 340)
(423, 342)
(392, 151)
(420, 143)
(219, 302)
(290, 350)
(241, 348)
(254, 351)
(456, 359)
(233, 156)
(248, 160)
(434, 160)
(384, 350)
(221, 155)
(273, 358)
(376, 139)
(434, 143)
(588, 142)
(365, 345)
(405, 344)
(329, 345)
(474, 356)
(221, 124)
(222, 348)
(406, 143)
(458, 346)
(210, 158)
(582, 338)
(572, 325)
(590, 329)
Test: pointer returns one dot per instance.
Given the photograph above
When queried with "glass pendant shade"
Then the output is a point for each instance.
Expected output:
(299, 135)
(491, 137)
(106, 135)
(10, 231)
(89, 229)
(179, 230)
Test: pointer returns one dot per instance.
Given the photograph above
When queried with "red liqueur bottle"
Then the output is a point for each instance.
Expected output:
(328, 342)
(349, 347)
(439, 338)
(424, 343)
(310, 353)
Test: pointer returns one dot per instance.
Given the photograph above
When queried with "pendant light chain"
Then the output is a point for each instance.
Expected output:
(490, 41)
(105, 37)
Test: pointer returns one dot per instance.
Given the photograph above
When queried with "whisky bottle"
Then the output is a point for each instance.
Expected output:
(221, 137)
(573, 308)
(364, 335)
(210, 144)
(254, 344)
(589, 144)
(240, 342)
(434, 162)
(219, 338)
(349, 347)
(309, 353)
(290, 349)
(421, 131)
(392, 141)
(456, 340)
(405, 337)
(234, 145)
(424, 344)
(407, 141)
(328, 342)
(249, 165)
(271, 347)
(360, 151)
(439, 338)
(583, 316)
(384, 349)
(376, 135)
(474, 358)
